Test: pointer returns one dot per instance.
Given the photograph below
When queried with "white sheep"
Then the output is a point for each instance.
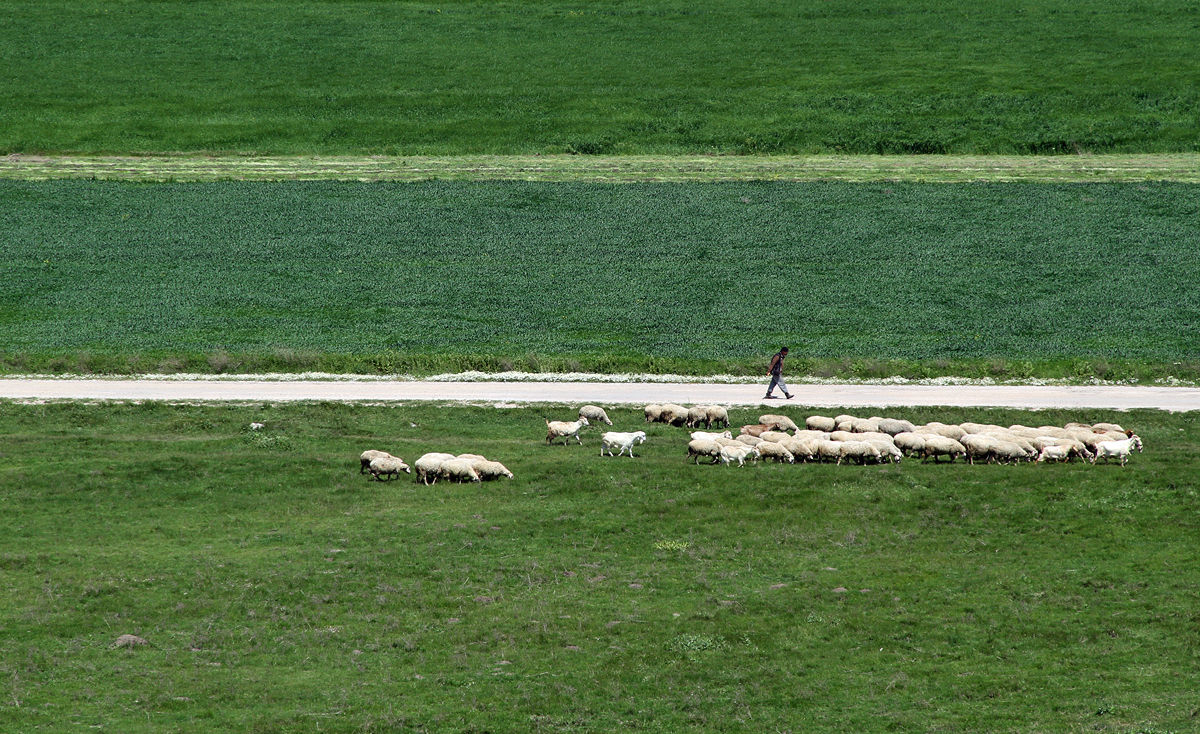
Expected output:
(459, 470)
(1008, 452)
(429, 465)
(489, 470)
(717, 415)
(595, 413)
(909, 442)
(698, 447)
(390, 465)
(774, 436)
(366, 457)
(801, 449)
(731, 441)
(859, 451)
(675, 415)
(772, 450)
(828, 450)
(978, 446)
(749, 440)
(778, 422)
(696, 415)
(820, 423)
(936, 446)
(1117, 449)
(710, 435)
(806, 434)
(887, 450)
(565, 430)
(621, 441)
(1057, 452)
(941, 429)
(653, 412)
(731, 453)
(892, 426)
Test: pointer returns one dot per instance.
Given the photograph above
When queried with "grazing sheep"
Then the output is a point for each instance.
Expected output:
(892, 426)
(489, 470)
(941, 429)
(820, 423)
(772, 450)
(459, 470)
(706, 435)
(774, 436)
(778, 422)
(802, 449)
(717, 416)
(887, 450)
(1080, 449)
(389, 465)
(730, 441)
(1054, 431)
(978, 446)
(750, 440)
(703, 447)
(1007, 452)
(1117, 449)
(653, 413)
(731, 453)
(367, 456)
(859, 451)
(828, 450)
(1108, 428)
(471, 457)
(621, 441)
(807, 434)
(910, 443)
(565, 430)
(697, 415)
(1058, 452)
(865, 425)
(675, 415)
(936, 446)
(980, 427)
(595, 413)
(755, 430)
(429, 465)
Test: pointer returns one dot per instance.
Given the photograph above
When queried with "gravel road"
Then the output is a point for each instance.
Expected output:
(1175, 399)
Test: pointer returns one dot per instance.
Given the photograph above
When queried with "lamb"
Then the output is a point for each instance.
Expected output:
(778, 422)
(860, 451)
(621, 441)
(820, 423)
(703, 447)
(653, 412)
(366, 457)
(708, 436)
(730, 453)
(772, 450)
(565, 430)
(595, 413)
(459, 470)
(1117, 449)
(489, 470)
(390, 465)
(429, 465)
(717, 415)
(936, 446)
(696, 416)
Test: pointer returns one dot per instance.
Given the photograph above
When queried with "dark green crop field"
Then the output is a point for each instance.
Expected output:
(611, 76)
(281, 591)
(707, 275)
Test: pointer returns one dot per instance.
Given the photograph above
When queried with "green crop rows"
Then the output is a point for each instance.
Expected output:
(608, 77)
(677, 271)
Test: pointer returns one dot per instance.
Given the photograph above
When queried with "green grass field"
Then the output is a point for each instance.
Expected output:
(699, 278)
(614, 77)
(280, 590)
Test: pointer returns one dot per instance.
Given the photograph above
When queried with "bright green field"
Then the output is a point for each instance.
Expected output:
(282, 591)
(700, 277)
(608, 77)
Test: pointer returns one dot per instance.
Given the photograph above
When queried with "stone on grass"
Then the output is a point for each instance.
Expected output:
(130, 641)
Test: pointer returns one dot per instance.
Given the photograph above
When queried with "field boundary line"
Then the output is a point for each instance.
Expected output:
(1182, 168)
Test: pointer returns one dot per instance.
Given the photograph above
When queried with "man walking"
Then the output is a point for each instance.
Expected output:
(776, 373)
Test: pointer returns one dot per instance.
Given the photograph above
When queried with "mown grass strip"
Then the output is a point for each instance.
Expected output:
(1183, 168)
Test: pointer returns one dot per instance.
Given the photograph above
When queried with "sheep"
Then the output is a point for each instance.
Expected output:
(675, 415)
(1107, 428)
(471, 457)
(887, 450)
(1058, 452)
(707, 435)
(653, 412)
(750, 440)
(978, 447)
(1079, 448)
(460, 470)
(980, 427)
(703, 447)
(860, 451)
(717, 415)
(809, 434)
(865, 425)
(565, 430)
(429, 465)
(755, 430)
(820, 423)
(774, 436)
(779, 422)
(772, 450)
(892, 426)
(828, 450)
(366, 457)
(697, 415)
(1054, 431)
(909, 442)
(1007, 452)
(802, 449)
(1117, 449)
(489, 470)
(730, 441)
(622, 441)
(595, 413)
(941, 429)
(390, 465)
(936, 446)
(730, 453)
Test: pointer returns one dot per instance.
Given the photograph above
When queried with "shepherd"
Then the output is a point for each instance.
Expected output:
(776, 373)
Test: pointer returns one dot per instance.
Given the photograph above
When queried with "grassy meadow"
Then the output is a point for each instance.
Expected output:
(280, 590)
(1006, 280)
(610, 77)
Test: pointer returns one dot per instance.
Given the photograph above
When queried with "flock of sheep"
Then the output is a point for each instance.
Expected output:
(840, 439)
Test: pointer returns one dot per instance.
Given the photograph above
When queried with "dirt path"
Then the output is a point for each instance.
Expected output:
(1175, 399)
